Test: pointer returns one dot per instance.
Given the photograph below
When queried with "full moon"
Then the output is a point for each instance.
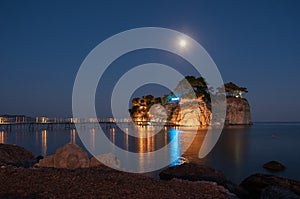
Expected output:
(182, 43)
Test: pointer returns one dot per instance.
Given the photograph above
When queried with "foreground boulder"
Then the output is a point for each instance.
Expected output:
(256, 183)
(15, 155)
(107, 159)
(195, 172)
(70, 156)
(274, 166)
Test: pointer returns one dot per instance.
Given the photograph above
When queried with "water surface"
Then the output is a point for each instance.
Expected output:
(240, 151)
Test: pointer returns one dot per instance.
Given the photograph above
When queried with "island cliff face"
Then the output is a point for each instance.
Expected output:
(238, 111)
(188, 112)
(190, 105)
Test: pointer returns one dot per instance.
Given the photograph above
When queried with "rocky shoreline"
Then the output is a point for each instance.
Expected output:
(73, 179)
(98, 183)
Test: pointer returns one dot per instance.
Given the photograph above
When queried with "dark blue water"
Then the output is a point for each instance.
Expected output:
(240, 151)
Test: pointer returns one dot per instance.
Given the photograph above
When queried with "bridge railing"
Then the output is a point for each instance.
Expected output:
(45, 120)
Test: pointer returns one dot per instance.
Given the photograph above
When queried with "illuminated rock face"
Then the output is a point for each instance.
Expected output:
(158, 113)
(191, 112)
(140, 113)
(238, 111)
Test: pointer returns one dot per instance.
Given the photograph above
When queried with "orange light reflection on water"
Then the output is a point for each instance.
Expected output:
(2, 137)
(92, 139)
(44, 143)
(73, 136)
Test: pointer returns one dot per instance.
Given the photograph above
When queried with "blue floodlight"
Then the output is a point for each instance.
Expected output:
(175, 99)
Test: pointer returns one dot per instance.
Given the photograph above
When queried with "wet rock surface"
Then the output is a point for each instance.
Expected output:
(255, 184)
(274, 192)
(196, 172)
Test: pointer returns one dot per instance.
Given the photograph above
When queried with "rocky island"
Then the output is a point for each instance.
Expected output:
(188, 111)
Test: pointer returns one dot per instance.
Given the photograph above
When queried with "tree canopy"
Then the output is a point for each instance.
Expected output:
(183, 90)
(199, 87)
(234, 90)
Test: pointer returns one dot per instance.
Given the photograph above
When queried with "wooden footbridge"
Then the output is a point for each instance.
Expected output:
(7, 123)
(53, 123)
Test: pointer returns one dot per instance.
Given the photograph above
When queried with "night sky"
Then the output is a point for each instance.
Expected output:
(255, 44)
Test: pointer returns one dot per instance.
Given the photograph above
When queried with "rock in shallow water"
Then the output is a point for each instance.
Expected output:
(274, 166)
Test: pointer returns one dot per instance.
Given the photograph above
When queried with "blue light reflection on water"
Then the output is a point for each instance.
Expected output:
(174, 135)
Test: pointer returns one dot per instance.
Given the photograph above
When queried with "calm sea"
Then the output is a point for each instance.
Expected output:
(240, 151)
